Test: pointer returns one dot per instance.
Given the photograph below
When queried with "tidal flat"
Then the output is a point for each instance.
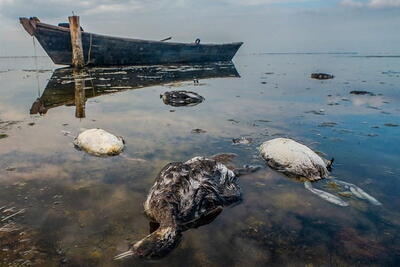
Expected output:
(74, 209)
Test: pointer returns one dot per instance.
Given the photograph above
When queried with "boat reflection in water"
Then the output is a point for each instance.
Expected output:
(72, 87)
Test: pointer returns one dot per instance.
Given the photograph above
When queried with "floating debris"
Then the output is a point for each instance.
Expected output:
(391, 124)
(247, 169)
(66, 133)
(99, 142)
(234, 121)
(200, 184)
(198, 131)
(242, 141)
(181, 98)
(2, 135)
(356, 92)
(317, 112)
(322, 76)
(327, 124)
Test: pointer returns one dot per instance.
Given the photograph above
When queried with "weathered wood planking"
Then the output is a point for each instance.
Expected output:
(101, 50)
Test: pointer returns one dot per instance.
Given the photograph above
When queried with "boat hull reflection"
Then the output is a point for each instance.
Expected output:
(73, 87)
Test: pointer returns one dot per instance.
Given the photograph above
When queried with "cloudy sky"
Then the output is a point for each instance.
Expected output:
(366, 26)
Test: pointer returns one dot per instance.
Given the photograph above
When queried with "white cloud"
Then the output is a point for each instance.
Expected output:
(372, 3)
(56, 8)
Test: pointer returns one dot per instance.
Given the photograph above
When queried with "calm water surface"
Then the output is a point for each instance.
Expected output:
(80, 210)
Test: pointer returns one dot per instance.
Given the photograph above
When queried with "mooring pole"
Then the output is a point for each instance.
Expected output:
(80, 98)
(76, 42)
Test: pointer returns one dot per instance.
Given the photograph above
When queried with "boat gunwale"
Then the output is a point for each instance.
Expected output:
(58, 28)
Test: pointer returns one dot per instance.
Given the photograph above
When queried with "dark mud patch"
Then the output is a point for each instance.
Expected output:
(198, 131)
(392, 125)
(357, 92)
(234, 121)
(316, 112)
(322, 76)
(6, 125)
(327, 124)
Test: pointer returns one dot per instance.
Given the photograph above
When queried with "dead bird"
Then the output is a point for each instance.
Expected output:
(181, 98)
(185, 195)
(298, 161)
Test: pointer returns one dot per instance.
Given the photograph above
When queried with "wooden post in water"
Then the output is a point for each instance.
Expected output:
(80, 98)
(76, 42)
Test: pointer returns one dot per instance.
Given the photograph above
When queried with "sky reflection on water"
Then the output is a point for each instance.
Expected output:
(82, 209)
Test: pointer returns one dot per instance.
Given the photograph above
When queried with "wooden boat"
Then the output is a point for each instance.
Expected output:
(101, 50)
(71, 87)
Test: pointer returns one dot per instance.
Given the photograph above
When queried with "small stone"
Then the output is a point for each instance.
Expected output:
(322, 76)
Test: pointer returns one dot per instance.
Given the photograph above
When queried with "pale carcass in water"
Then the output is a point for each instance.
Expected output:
(297, 160)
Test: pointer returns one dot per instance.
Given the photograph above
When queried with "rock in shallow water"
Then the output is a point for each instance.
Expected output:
(99, 142)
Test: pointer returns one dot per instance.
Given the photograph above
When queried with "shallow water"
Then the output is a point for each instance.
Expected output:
(83, 210)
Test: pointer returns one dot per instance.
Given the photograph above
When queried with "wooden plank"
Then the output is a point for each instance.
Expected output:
(76, 42)
(29, 25)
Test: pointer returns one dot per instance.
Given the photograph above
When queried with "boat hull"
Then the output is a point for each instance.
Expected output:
(101, 50)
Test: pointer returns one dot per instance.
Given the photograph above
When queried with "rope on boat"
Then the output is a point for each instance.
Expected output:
(90, 48)
(36, 65)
